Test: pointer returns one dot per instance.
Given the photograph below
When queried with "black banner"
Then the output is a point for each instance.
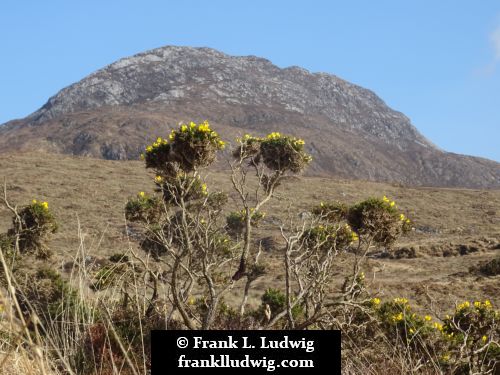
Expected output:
(245, 352)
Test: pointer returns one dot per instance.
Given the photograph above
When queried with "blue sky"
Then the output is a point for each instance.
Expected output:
(436, 61)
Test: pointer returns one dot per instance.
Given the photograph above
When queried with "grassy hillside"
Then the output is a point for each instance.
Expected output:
(448, 222)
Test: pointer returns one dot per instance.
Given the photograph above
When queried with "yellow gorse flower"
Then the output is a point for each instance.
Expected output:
(205, 127)
(397, 317)
(400, 301)
(273, 135)
(463, 306)
(438, 326)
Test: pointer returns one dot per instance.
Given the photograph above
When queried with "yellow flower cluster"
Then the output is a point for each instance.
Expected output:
(276, 135)
(158, 179)
(375, 301)
(247, 137)
(400, 301)
(477, 304)
(141, 194)
(388, 201)
(438, 326)
(273, 135)
(463, 306)
(402, 217)
(45, 205)
(397, 317)
(428, 318)
(159, 142)
(204, 127)
(354, 236)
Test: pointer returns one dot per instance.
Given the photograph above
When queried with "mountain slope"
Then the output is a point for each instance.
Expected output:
(114, 112)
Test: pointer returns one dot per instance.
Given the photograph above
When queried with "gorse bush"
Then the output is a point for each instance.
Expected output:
(380, 219)
(188, 148)
(31, 228)
(143, 208)
(331, 211)
(466, 342)
(329, 237)
(491, 268)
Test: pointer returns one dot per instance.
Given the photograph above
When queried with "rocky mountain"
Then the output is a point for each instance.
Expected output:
(351, 133)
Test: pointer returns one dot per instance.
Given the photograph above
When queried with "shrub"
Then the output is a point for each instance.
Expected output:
(143, 208)
(284, 153)
(274, 301)
(329, 237)
(378, 219)
(190, 147)
(107, 275)
(32, 226)
(462, 343)
(491, 268)
(278, 152)
(48, 294)
(331, 211)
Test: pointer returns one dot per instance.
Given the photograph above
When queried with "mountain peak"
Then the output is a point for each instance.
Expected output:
(349, 127)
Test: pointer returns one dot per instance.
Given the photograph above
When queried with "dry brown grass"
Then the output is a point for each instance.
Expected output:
(95, 191)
